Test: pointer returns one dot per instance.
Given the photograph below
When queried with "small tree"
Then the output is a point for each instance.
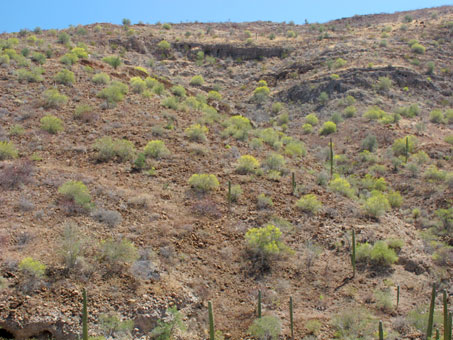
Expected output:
(113, 61)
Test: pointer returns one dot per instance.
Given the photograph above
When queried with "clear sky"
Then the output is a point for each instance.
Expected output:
(17, 14)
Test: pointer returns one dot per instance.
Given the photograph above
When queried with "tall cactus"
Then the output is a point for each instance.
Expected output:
(381, 331)
(293, 183)
(331, 157)
(437, 334)
(211, 322)
(291, 317)
(229, 192)
(259, 304)
(449, 322)
(353, 253)
(429, 331)
(407, 149)
(84, 316)
(397, 296)
(444, 302)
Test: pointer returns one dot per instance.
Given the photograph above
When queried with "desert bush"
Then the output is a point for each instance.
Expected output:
(323, 98)
(164, 46)
(15, 174)
(65, 77)
(418, 48)
(203, 182)
(309, 204)
(328, 128)
(54, 99)
(399, 145)
(32, 268)
(265, 241)
(138, 85)
(151, 82)
(295, 149)
(32, 76)
(380, 254)
(214, 95)
(109, 149)
(7, 151)
(84, 112)
(266, 328)
(38, 58)
(178, 91)
(369, 143)
(394, 198)
(69, 59)
(80, 52)
(159, 88)
(270, 137)
(307, 128)
(340, 62)
(51, 124)
(349, 111)
(449, 139)
(354, 323)
(76, 192)
(445, 217)
(264, 202)
(4, 59)
(384, 84)
(236, 192)
(419, 318)
(247, 164)
(432, 173)
(409, 111)
(261, 93)
(311, 119)
(156, 149)
(109, 217)
(371, 183)
(395, 243)
(384, 300)
(449, 116)
(63, 38)
(291, 34)
(171, 103)
(113, 61)
(341, 186)
(165, 329)
(72, 246)
(114, 93)
(374, 113)
(238, 127)
(276, 107)
(197, 80)
(196, 132)
(16, 130)
(101, 78)
(436, 116)
(275, 161)
(376, 205)
(118, 252)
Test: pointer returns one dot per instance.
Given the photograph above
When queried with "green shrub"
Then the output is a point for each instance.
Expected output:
(126, 22)
(395, 199)
(38, 58)
(54, 99)
(69, 59)
(376, 205)
(178, 91)
(197, 132)
(341, 186)
(33, 76)
(4, 59)
(295, 149)
(171, 103)
(349, 111)
(449, 139)
(238, 127)
(156, 149)
(32, 267)
(436, 116)
(340, 62)
(409, 111)
(65, 77)
(309, 203)
(311, 119)
(384, 300)
(166, 26)
(109, 149)
(363, 252)
(382, 255)
(111, 324)
(214, 95)
(418, 48)
(113, 61)
(328, 128)
(432, 173)
(84, 112)
(159, 88)
(356, 323)
(264, 202)
(197, 80)
(80, 52)
(101, 78)
(275, 161)
(384, 84)
(307, 128)
(114, 93)
(247, 164)
(7, 151)
(395, 243)
(267, 327)
(137, 84)
(203, 182)
(370, 143)
(165, 329)
(51, 124)
(449, 116)
(399, 145)
(276, 107)
(118, 252)
(291, 34)
(63, 38)
(151, 82)
(374, 113)
(164, 46)
(266, 241)
(323, 98)
(236, 192)
(16, 130)
(77, 192)
(261, 93)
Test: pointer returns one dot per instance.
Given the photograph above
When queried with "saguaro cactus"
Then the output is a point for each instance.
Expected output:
(291, 317)
(381, 331)
(429, 331)
(84, 316)
(259, 304)
(211, 321)
(397, 296)
(293, 183)
(353, 253)
(331, 157)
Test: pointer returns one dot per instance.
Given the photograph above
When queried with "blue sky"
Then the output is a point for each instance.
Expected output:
(17, 14)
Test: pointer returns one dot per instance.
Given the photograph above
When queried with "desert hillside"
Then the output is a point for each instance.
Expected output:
(162, 167)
